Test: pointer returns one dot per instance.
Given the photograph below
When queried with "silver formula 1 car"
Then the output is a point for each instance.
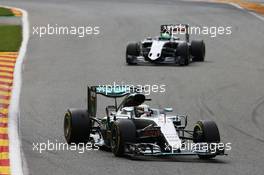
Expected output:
(133, 128)
(166, 48)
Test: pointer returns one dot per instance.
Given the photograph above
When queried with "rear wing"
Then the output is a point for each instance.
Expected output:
(174, 29)
(115, 92)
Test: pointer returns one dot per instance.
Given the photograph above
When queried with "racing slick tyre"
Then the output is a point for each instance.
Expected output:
(132, 51)
(76, 126)
(122, 131)
(198, 50)
(206, 131)
(183, 52)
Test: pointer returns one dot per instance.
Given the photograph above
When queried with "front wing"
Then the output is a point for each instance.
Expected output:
(142, 60)
(149, 149)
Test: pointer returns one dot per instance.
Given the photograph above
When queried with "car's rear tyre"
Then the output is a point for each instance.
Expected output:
(206, 131)
(198, 50)
(183, 53)
(132, 51)
(77, 126)
(122, 131)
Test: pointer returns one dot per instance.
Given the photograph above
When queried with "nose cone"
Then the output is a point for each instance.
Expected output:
(154, 56)
(156, 49)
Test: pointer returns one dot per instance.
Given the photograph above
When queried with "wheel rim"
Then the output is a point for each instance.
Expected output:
(67, 125)
(197, 133)
(203, 49)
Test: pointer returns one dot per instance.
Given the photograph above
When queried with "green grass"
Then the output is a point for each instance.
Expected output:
(10, 38)
(5, 12)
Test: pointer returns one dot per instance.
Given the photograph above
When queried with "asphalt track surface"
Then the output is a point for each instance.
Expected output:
(227, 88)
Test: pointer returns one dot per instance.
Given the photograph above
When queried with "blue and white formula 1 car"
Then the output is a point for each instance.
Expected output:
(133, 128)
(167, 48)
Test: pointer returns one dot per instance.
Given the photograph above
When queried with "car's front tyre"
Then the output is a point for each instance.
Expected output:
(122, 131)
(132, 52)
(184, 54)
(206, 132)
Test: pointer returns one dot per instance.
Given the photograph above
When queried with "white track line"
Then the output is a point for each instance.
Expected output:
(250, 12)
(236, 5)
(15, 152)
(232, 4)
(256, 15)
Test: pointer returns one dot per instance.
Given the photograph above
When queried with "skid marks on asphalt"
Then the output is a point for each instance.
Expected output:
(212, 106)
(256, 113)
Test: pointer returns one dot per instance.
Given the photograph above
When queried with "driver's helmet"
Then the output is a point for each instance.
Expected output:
(142, 109)
(165, 36)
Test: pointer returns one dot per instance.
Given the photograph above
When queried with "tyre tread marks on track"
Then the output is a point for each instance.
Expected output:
(246, 133)
(205, 109)
(203, 106)
(255, 110)
(6, 81)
